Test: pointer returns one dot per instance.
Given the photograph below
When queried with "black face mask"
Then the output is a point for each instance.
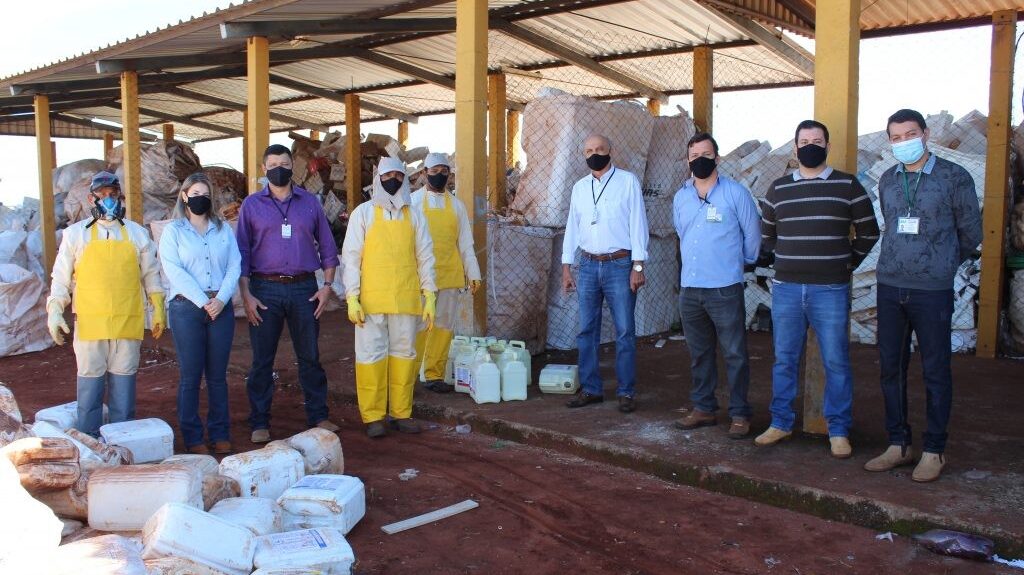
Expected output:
(391, 186)
(598, 162)
(199, 205)
(702, 167)
(811, 155)
(279, 176)
(437, 181)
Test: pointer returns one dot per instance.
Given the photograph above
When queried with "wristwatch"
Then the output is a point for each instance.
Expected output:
(638, 268)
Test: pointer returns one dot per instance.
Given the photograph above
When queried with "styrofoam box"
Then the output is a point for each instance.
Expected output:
(66, 415)
(149, 440)
(323, 549)
(337, 501)
(260, 515)
(183, 531)
(266, 472)
(124, 497)
(206, 464)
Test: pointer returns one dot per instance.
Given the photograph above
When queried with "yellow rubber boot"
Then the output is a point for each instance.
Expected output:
(401, 383)
(436, 353)
(372, 390)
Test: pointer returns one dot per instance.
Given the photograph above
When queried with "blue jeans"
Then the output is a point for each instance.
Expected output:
(826, 309)
(599, 281)
(929, 314)
(711, 315)
(203, 348)
(285, 303)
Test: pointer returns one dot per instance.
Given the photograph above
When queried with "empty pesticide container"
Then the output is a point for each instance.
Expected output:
(323, 549)
(123, 498)
(486, 383)
(266, 472)
(453, 349)
(86, 456)
(320, 450)
(97, 556)
(178, 530)
(260, 515)
(559, 379)
(464, 367)
(205, 464)
(513, 378)
(150, 440)
(523, 355)
(65, 416)
(337, 501)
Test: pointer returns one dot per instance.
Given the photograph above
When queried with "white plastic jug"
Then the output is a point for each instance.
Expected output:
(464, 368)
(523, 355)
(453, 349)
(486, 383)
(288, 571)
(182, 531)
(44, 428)
(513, 380)
(149, 440)
(266, 472)
(323, 549)
(562, 379)
(337, 501)
(96, 556)
(123, 498)
(178, 566)
(320, 450)
(260, 515)
(205, 464)
(66, 415)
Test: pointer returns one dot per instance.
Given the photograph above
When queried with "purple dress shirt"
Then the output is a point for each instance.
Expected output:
(262, 245)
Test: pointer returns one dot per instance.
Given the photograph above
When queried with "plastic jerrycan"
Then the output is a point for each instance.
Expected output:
(486, 385)
(519, 347)
(496, 348)
(463, 368)
(513, 377)
(449, 364)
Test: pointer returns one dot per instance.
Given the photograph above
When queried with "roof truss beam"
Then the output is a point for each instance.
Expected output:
(190, 122)
(802, 10)
(774, 41)
(405, 68)
(237, 107)
(295, 28)
(340, 98)
(145, 82)
(144, 136)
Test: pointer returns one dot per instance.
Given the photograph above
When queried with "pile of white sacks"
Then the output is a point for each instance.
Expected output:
(125, 504)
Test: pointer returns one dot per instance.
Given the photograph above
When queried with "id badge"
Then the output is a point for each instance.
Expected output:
(713, 215)
(908, 225)
(286, 231)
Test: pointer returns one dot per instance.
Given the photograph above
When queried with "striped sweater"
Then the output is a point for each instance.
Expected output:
(806, 223)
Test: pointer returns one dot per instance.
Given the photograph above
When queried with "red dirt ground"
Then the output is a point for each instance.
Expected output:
(540, 511)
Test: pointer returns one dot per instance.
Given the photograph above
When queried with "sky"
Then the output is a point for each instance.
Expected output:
(929, 72)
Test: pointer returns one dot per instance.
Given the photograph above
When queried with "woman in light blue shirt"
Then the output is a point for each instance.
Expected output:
(200, 258)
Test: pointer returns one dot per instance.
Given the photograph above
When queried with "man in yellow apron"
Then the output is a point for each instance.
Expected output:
(454, 264)
(388, 264)
(103, 265)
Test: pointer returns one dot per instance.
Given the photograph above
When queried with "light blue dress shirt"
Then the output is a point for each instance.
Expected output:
(195, 264)
(717, 235)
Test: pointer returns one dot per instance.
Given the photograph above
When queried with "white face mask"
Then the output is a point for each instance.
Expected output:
(908, 151)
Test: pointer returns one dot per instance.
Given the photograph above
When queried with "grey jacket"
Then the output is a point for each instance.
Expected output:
(949, 229)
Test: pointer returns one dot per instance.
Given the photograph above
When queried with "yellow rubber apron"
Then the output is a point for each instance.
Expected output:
(108, 290)
(390, 281)
(444, 231)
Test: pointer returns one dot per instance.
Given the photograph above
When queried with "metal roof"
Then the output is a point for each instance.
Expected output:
(412, 73)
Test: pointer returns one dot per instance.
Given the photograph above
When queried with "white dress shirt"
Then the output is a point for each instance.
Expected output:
(195, 264)
(465, 246)
(615, 221)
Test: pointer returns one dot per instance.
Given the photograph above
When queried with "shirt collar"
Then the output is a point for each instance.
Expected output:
(797, 176)
(603, 178)
(927, 169)
(296, 190)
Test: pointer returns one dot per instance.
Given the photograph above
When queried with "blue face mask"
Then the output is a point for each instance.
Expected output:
(908, 151)
(109, 204)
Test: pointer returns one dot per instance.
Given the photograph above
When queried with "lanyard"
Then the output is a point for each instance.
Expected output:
(908, 193)
(287, 206)
(598, 197)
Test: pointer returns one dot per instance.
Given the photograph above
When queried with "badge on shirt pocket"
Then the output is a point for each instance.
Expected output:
(286, 231)
(714, 216)
(908, 225)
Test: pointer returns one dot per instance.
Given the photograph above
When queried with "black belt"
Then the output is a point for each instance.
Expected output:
(181, 297)
(617, 255)
(283, 279)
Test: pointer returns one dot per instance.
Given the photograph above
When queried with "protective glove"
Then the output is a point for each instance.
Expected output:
(474, 285)
(55, 322)
(355, 311)
(429, 308)
(159, 314)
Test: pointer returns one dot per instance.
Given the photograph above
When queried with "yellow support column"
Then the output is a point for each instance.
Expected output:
(703, 87)
(353, 153)
(997, 176)
(471, 130)
(257, 119)
(654, 106)
(314, 135)
(512, 138)
(245, 144)
(108, 144)
(44, 151)
(131, 184)
(496, 104)
(168, 132)
(403, 134)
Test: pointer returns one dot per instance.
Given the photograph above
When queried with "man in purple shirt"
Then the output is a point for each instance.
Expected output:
(284, 237)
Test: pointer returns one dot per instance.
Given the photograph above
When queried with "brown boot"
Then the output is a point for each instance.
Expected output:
(695, 419)
(891, 458)
(199, 449)
(739, 428)
(406, 425)
(222, 447)
(929, 468)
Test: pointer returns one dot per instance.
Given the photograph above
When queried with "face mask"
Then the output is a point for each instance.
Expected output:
(108, 209)
(279, 176)
(702, 167)
(437, 181)
(391, 186)
(199, 205)
(811, 155)
(908, 151)
(598, 162)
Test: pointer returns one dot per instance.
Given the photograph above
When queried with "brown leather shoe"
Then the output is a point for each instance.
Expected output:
(222, 447)
(626, 404)
(328, 425)
(739, 428)
(260, 436)
(695, 419)
(583, 399)
(376, 429)
(406, 425)
(199, 449)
